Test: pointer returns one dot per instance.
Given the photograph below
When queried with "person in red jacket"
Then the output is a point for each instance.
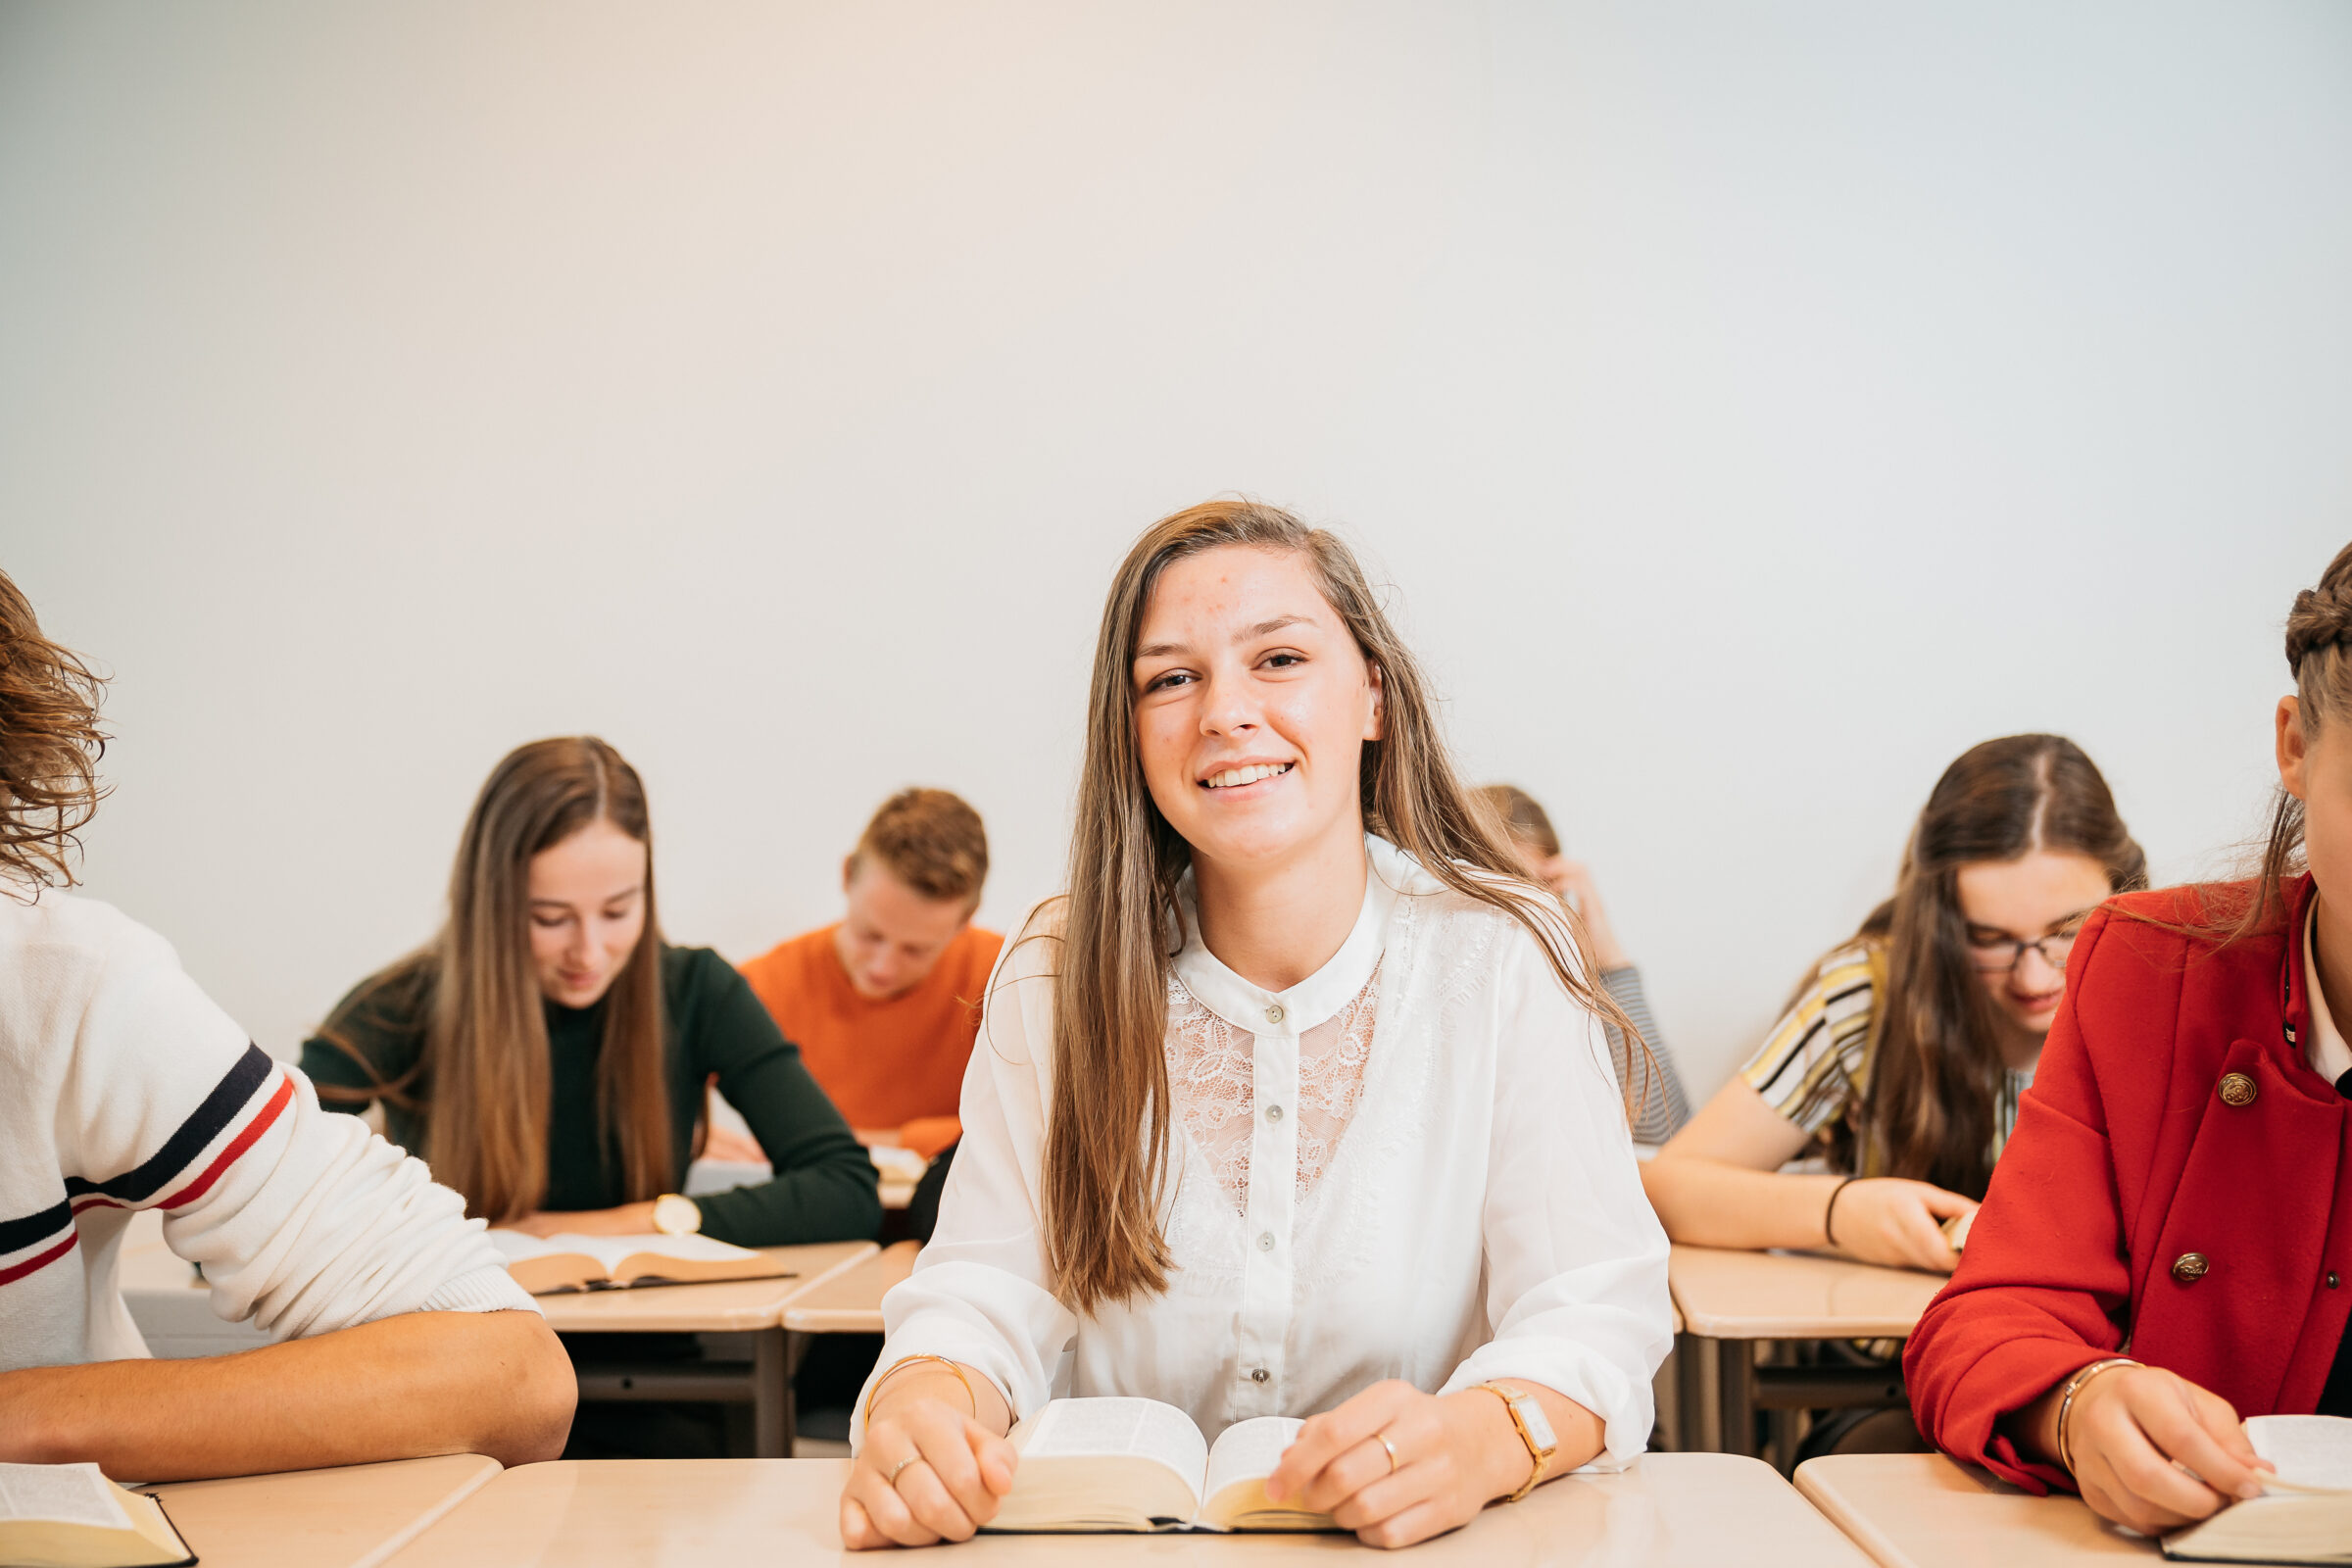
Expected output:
(2164, 1248)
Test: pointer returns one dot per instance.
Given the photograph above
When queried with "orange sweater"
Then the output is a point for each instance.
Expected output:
(890, 1066)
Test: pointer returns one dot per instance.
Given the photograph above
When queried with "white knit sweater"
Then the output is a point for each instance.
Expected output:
(123, 1087)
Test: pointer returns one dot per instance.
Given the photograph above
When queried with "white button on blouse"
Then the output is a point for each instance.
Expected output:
(1455, 1200)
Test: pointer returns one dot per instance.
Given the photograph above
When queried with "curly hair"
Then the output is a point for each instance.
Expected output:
(50, 744)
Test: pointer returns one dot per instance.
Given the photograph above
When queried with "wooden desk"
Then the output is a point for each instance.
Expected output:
(353, 1517)
(1734, 1299)
(1922, 1510)
(738, 1307)
(849, 1300)
(1672, 1511)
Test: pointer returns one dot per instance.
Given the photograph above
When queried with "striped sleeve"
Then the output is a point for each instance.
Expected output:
(1664, 1105)
(1816, 1060)
(303, 1221)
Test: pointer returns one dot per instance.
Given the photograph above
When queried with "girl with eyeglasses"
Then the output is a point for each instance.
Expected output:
(2177, 1182)
(1900, 1061)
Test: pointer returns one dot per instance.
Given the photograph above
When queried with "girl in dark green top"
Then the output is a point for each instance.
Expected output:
(547, 1054)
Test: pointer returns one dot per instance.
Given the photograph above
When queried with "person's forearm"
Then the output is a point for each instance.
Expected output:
(835, 1201)
(2033, 1428)
(1705, 1202)
(423, 1382)
(1501, 1454)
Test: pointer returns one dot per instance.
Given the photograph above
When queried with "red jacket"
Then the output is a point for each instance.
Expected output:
(2126, 1159)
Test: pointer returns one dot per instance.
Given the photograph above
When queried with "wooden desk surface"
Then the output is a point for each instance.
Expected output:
(851, 1301)
(1725, 1294)
(1922, 1510)
(353, 1517)
(729, 1309)
(1672, 1510)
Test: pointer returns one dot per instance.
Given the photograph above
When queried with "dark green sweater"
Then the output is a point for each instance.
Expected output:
(824, 1186)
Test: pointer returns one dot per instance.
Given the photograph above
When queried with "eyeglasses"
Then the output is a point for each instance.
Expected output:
(2005, 953)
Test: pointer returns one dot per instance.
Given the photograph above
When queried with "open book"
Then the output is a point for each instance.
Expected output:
(2305, 1514)
(545, 1266)
(1138, 1464)
(71, 1516)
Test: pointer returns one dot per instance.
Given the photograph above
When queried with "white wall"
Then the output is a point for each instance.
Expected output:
(1753, 406)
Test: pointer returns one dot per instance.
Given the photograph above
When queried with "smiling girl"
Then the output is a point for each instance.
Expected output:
(1901, 1059)
(1297, 1103)
(546, 1055)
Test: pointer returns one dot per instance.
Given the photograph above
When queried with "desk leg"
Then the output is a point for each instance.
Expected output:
(1736, 1374)
(1689, 1395)
(771, 1396)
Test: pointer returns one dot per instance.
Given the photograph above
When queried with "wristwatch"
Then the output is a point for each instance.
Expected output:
(675, 1215)
(1534, 1430)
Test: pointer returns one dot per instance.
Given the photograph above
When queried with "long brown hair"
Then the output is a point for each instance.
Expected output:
(50, 744)
(1936, 1063)
(2318, 654)
(483, 1079)
(1103, 1184)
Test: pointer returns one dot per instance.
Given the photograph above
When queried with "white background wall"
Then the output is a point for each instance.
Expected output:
(1752, 404)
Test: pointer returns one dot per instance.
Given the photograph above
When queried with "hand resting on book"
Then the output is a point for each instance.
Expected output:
(2142, 1437)
(1453, 1455)
(931, 1468)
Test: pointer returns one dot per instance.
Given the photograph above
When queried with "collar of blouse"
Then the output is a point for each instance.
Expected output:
(1320, 996)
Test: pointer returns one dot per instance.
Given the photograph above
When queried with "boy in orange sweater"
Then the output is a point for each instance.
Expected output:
(885, 1004)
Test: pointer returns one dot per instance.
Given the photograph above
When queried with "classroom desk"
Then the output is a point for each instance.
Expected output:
(849, 1300)
(1922, 1510)
(738, 1307)
(1734, 1299)
(1672, 1510)
(353, 1517)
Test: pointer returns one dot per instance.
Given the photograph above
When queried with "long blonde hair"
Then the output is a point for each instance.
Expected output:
(482, 1081)
(1104, 1185)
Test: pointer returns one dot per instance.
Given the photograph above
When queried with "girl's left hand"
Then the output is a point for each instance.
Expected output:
(629, 1219)
(1447, 1463)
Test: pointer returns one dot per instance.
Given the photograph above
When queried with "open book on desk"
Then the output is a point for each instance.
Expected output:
(1105, 1465)
(2305, 1511)
(548, 1265)
(71, 1516)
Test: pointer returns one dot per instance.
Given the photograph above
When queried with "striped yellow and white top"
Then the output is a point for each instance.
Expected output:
(1814, 1067)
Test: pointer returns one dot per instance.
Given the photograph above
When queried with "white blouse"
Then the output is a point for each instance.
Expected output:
(1412, 1165)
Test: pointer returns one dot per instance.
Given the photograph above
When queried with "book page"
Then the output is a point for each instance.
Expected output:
(68, 1493)
(1248, 1451)
(1146, 1428)
(515, 1245)
(2313, 1453)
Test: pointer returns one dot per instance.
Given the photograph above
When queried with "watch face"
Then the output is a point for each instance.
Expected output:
(677, 1217)
(1539, 1426)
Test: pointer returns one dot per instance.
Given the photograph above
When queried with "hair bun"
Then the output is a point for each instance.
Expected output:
(2323, 616)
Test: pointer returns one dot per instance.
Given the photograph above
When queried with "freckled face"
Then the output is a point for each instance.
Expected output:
(1253, 705)
(2041, 895)
(586, 912)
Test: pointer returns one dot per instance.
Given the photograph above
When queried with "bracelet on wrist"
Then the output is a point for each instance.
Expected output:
(2066, 1403)
(1828, 1210)
(904, 1361)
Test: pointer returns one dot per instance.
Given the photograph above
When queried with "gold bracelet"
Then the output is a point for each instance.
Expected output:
(892, 1371)
(2066, 1401)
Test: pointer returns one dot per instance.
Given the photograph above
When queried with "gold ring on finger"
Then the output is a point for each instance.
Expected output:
(1382, 1439)
(900, 1465)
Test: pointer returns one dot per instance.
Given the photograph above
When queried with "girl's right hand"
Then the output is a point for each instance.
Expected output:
(2133, 1431)
(927, 1471)
(1886, 1220)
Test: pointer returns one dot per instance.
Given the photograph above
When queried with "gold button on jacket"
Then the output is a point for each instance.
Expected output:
(2189, 1267)
(2237, 1089)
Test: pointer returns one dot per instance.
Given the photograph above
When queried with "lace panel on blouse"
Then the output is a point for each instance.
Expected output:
(1210, 1081)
